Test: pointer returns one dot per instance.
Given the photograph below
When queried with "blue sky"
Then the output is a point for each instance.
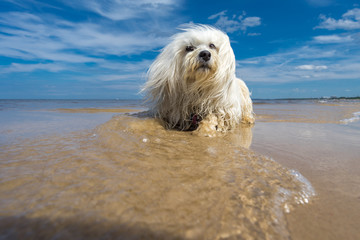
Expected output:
(102, 49)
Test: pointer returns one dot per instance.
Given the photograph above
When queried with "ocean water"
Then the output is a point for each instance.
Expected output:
(21, 119)
(95, 169)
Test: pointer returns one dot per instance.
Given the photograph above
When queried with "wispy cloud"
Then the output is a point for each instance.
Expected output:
(110, 44)
(325, 57)
(333, 39)
(93, 50)
(126, 9)
(234, 23)
(306, 63)
(219, 14)
(119, 77)
(29, 36)
(349, 21)
(17, 67)
(106, 46)
(311, 67)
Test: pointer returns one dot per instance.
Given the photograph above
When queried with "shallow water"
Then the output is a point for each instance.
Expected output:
(130, 178)
(118, 176)
(320, 140)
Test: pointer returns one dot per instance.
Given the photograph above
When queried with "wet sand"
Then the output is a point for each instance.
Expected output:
(322, 142)
(294, 175)
(95, 110)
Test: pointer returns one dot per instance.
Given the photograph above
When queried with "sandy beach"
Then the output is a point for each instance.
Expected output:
(88, 170)
(321, 141)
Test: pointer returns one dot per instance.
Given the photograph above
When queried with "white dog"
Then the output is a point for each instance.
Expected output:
(192, 83)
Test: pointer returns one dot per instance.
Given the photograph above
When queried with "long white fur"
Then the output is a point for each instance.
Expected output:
(177, 88)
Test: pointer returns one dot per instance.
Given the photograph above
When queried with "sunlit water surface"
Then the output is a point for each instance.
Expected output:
(127, 177)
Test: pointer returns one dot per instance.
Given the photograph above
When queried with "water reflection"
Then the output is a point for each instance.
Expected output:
(131, 178)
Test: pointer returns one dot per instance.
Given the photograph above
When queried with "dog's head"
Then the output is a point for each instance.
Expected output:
(198, 51)
(192, 71)
(202, 53)
(199, 54)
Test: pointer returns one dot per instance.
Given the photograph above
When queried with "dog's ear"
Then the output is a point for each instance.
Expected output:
(162, 75)
(226, 68)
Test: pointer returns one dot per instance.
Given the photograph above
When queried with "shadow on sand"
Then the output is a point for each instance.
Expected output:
(41, 228)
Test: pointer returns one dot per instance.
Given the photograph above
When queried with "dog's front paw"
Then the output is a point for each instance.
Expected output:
(248, 119)
(208, 127)
(205, 131)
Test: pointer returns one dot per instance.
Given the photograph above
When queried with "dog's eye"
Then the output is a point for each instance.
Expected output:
(212, 46)
(190, 48)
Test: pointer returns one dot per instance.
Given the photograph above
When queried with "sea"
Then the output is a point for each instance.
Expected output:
(99, 169)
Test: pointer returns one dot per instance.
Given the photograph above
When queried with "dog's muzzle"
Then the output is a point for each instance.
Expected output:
(204, 60)
(205, 56)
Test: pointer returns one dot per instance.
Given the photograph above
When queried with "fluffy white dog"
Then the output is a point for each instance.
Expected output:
(192, 83)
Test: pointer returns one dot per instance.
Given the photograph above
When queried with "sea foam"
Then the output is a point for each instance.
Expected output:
(355, 118)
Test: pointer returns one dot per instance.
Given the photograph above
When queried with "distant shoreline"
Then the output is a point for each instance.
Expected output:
(319, 98)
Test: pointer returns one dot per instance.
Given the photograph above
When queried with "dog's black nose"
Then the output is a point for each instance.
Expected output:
(205, 55)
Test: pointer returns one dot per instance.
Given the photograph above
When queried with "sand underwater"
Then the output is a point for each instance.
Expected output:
(86, 169)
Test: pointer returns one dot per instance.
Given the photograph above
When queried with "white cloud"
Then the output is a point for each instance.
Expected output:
(353, 13)
(119, 77)
(93, 45)
(87, 47)
(46, 37)
(311, 67)
(235, 23)
(254, 34)
(333, 39)
(126, 66)
(307, 63)
(119, 10)
(29, 3)
(16, 67)
(248, 61)
(251, 22)
(31, 37)
(349, 21)
(222, 13)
